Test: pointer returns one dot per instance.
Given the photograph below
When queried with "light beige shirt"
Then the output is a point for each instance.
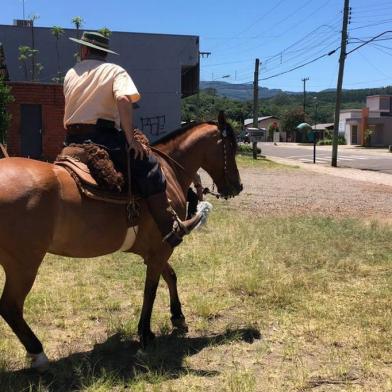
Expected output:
(90, 90)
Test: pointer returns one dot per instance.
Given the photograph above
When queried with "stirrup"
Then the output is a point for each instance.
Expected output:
(178, 231)
(173, 239)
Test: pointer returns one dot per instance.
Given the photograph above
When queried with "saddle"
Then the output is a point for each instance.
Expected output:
(94, 173)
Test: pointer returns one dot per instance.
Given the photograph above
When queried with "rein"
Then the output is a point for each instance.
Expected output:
(169, 158)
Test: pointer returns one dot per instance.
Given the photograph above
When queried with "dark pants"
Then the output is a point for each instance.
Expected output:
(146, 174)
(193, 201)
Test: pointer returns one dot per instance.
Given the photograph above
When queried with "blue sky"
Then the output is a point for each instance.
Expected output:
(282, 33)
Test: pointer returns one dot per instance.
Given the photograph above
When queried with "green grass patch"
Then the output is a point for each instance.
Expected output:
(318, 291)
(246, 161)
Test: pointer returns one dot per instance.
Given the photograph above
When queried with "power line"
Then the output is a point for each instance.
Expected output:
(278, 23)
(302, 65)
(373, 24)
(279, 55)
(265, 14)
(370, 40)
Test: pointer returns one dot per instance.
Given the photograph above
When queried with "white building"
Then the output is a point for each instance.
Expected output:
(371, 125)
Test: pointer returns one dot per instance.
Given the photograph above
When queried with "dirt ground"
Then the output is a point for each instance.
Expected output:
(291, 191)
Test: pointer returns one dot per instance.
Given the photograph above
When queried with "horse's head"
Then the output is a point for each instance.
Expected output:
(219, 160)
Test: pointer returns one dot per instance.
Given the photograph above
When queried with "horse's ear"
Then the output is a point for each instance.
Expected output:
(222, 120)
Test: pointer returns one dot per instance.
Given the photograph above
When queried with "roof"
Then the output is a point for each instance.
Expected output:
(379, 96)
(324, 126)
(249, 121)
(350, 110)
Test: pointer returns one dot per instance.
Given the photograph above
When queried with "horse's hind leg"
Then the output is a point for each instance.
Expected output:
(17, 285)
(177, 317)
(150, 289)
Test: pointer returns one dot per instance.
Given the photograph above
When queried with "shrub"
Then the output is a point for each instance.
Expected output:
(5, 117)
(328, 142)
(246, 149)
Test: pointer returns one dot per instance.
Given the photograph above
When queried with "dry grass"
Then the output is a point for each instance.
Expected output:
(273, 304)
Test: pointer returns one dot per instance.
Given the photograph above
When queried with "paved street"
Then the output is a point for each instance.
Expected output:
(379, 160)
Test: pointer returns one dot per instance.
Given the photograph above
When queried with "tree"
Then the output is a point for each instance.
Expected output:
(35, 68)
(105, 32)
(291, 119)
(57, 32)
(5, 117)
(78, 22)
(24, 56)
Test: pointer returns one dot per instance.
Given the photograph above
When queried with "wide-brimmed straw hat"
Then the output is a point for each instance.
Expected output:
(94, 40)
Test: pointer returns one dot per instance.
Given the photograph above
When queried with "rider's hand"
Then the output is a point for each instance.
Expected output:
(138, 149)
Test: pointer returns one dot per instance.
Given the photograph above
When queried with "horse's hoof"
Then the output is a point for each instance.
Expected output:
(38, 362)
(180, 324)
(146, 338)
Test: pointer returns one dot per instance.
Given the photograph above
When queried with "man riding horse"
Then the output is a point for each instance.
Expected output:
(99, 99)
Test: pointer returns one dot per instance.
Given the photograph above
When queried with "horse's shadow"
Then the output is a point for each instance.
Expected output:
(122, 360)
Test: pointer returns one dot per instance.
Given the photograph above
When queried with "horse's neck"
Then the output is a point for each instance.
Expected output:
(187, 152)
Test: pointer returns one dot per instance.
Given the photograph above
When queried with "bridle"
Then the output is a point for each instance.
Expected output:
(223, 133)
(223, 139)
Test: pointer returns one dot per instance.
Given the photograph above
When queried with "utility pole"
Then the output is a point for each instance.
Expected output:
(201, 55)
(305, 80)
(256, 104)
(342, 60)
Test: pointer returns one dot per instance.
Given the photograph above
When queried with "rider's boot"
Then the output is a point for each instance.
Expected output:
(170, 226)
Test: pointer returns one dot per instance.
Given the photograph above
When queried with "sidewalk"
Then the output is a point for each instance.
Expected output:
(380, 151)
(353, 174)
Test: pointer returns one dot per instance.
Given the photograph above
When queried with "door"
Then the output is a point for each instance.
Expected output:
(31, 130)
(354, 134)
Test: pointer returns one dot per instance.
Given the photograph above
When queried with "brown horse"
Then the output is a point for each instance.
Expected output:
(42, 210)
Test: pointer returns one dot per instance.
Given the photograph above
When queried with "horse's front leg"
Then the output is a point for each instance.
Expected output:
(150, 289)
(177, 317)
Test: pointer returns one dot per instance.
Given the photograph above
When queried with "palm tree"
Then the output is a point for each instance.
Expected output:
(78, 22)
(34, 52)
(24, 55)
(57, 32)
(105, 32)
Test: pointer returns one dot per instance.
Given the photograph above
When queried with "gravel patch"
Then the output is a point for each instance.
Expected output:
(284, 192)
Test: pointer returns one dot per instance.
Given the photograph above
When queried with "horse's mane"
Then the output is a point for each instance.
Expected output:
(179, 131)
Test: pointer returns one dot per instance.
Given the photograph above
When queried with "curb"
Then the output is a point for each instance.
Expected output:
(352, 174)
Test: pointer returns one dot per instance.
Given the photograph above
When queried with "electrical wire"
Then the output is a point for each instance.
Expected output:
(256, 21)
(302, 65)
(248, 49)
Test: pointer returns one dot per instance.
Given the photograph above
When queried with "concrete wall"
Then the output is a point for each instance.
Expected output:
(382, 128)
(379, 103)
(155, 62)
(347, 119)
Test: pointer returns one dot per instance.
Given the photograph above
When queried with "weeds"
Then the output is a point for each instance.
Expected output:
(318, 290)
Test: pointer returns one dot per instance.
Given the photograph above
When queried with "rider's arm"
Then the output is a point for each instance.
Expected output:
(125, 94)
(125, 110)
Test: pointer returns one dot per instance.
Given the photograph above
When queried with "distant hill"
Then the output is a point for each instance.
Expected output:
(244, 92)
(241, 92)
